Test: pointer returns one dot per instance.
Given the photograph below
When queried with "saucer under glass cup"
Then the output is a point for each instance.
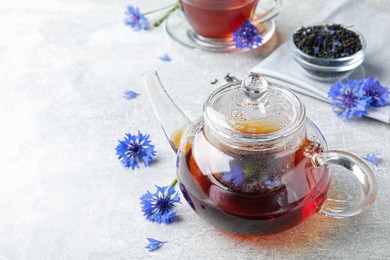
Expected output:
(202, 26)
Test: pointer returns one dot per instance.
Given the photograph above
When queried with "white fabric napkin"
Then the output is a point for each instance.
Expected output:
(279, 67)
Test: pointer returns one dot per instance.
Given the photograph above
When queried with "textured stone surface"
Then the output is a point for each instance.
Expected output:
(64, 66)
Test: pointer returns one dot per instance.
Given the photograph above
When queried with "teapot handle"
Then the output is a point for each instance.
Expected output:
(368, 183)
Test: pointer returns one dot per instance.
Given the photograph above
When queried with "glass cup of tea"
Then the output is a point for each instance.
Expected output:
(218, 19)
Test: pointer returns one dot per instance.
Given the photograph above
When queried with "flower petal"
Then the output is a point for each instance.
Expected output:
(129, 94)
(154, 244)
(372, 158)
(378, 93)
(166, 58)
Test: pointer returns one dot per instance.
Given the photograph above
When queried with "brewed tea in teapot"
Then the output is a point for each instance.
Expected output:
(254, 164)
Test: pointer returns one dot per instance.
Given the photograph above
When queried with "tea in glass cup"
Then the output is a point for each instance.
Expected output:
(218, 19)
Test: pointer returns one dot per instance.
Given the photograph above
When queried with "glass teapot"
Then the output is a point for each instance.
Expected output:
(254, 164)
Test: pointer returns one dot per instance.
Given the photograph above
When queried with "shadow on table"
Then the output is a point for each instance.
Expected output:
(313, 232)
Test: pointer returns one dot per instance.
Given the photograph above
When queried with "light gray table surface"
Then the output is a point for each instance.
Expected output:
(64, 66)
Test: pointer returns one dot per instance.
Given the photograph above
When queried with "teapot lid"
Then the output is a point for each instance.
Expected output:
(253, 109)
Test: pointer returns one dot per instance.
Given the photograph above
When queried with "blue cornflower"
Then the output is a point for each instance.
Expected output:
(166, 58)
(154, 244)
(235, 176)
(379, 94)
(349, 99)
(136, 20)
(128, 94)
(158, 206)
(247, 36)
(272, 184)
(372, 158)
(134, 149)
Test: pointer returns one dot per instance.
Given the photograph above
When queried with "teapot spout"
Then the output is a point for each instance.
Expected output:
(171, 118)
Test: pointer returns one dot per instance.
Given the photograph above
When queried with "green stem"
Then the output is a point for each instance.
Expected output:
(160, 9)
(162, 19)
(174, 183)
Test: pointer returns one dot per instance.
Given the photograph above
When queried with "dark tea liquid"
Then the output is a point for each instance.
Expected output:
(251, 194)
(217, 18)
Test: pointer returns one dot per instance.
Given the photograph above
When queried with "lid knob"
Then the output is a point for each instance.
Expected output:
(254, 86)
